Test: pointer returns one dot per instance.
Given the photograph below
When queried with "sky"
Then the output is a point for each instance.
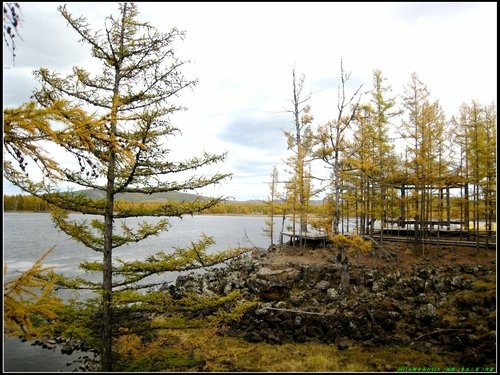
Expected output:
(243, 55)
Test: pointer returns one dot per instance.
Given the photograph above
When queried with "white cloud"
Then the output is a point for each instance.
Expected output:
(244, 53)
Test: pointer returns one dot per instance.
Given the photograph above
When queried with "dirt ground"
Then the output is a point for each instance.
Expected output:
(405, 256)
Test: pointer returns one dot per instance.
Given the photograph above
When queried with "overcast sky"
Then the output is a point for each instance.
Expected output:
(243, 54)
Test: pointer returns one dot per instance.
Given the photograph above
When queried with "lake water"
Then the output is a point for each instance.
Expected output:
(28, 235)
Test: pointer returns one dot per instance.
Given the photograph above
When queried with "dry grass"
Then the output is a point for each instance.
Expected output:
(223, 353)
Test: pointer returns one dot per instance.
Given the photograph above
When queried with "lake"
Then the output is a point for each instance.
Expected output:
(28, 235)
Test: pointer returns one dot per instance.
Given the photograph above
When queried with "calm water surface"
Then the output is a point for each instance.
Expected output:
(28, 235)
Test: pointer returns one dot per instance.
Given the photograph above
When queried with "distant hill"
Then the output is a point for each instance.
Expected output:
(314, 202)
(137, 197)
(170, 196)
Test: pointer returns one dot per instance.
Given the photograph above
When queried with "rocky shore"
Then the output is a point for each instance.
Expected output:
(443, 303)
(88, 358)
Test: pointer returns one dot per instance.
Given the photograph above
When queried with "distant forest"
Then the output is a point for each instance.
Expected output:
(29, 203)
(33, 204)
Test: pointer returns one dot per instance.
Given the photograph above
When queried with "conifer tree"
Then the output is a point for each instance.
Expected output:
(372, 156)
(475, 133)
(362, 165)
(272, 204)
(386, 160)
(330, 140)
(119, 133)
(490, 186)
(425, 132)
(300, 142)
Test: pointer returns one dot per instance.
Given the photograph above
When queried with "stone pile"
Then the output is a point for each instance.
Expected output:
(447, 308)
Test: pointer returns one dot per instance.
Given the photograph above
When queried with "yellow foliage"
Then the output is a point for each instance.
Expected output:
(129, 346)
(352, 242)
(29, 295)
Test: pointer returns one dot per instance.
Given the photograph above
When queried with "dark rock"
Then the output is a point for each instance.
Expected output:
(332, 294)
(344, 344)
(369, 343)
(274, 293)
(322, 285)
(67, 349)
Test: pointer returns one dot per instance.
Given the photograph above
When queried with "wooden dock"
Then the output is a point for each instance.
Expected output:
(310, 236)
(446, 241)
(440, 236)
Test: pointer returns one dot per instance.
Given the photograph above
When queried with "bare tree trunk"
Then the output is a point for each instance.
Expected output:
(107, 282)
(107, 286)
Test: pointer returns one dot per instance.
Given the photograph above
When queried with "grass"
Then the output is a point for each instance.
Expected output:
(318, 357)
(217, 353)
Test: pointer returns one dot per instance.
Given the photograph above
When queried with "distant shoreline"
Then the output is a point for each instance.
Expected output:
(198, 214)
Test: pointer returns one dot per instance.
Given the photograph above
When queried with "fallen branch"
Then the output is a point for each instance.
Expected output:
(295, 311)
(442, 330)
(378, 246)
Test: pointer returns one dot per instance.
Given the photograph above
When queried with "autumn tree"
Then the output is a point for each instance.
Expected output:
(274, 196)
(475, 135)
(116, 137)
(461, 139)
(384, 113)
(424, 131)
(359, 168)
(489, 187)
(372, 156)
(331, 141)
(299, 140)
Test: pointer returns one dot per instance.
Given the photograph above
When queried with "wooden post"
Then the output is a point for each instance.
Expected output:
(448, 207)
